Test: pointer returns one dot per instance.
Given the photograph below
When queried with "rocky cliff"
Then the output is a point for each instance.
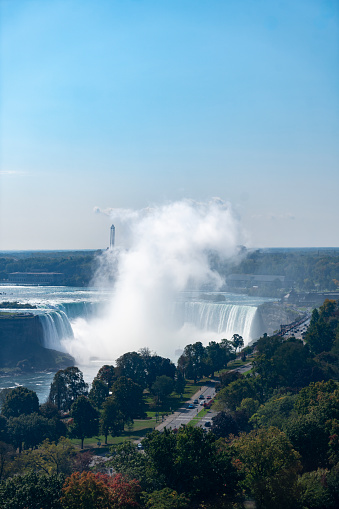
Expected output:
(273, 314)
(21, 345)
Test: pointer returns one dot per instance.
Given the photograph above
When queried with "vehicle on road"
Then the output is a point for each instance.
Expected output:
(209, 397)
(201, 396)
(190, 405)
(140, 446)
(195, 402)
(208, 424)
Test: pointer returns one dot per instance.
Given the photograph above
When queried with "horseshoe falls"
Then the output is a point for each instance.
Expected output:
(222, 319)
(63, 311)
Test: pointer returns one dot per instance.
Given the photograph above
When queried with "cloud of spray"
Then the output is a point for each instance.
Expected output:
(162, 251)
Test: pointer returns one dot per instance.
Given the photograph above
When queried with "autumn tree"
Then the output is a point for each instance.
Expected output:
(99, 491)
(86, 491)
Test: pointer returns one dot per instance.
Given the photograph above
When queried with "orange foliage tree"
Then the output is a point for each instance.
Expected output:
(99, 491)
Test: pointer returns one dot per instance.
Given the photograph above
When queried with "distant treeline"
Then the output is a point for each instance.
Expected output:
(78, 267)
(307, 270)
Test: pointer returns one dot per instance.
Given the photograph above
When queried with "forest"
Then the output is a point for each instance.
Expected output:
(305, 270)
(274, 441)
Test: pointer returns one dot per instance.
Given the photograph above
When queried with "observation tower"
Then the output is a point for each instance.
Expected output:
(112, 237)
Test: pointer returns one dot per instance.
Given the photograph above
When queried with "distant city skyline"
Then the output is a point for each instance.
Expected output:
(129, 105)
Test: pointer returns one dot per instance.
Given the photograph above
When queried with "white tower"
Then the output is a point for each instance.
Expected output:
(112, 237)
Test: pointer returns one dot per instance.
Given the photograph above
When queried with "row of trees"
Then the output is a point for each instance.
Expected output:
(198, 361)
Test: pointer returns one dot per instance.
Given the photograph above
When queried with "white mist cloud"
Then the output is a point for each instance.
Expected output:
(161, 252)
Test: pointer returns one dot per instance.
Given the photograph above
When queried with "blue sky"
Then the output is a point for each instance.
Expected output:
(129, 103)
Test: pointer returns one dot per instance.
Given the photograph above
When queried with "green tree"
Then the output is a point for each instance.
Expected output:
(127, 460)
(131, 365)
(192, 362)
(232, 395)
(50, 458)
(111, 419)
(31, 491)
(85, 419)
(270, 466)
(181, 460)
(156, 366)
(314, 492)
(98, 393)
(237, 341)
(166, 499)
(224, 424)
(275, 412)
(20, 401)
(68, 384)
(321, 333)
(129, 398)
(3, 429)
(6, 460)
(216, 357)
(107, 374)
(162, 388)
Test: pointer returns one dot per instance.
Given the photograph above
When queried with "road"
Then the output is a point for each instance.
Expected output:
(185, 414)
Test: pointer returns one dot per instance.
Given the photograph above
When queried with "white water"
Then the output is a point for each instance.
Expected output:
(223, 319)
(65, 312)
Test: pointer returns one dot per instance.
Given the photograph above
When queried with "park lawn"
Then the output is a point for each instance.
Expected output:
(139, 429)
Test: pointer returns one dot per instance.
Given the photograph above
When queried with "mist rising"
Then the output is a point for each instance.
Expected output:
(160, 252)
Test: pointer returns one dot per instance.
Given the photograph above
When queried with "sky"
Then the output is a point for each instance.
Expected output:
(130, 104)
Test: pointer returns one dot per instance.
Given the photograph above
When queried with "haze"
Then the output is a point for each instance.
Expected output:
(135, 104)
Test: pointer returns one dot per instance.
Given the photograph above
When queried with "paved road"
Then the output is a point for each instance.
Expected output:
(185, 414)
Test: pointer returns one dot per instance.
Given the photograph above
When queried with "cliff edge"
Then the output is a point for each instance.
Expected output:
(21, 345)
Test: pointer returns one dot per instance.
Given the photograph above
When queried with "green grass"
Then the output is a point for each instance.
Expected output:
(139, 429)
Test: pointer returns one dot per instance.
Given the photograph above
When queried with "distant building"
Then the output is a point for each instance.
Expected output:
(36, 278)
(248, 280)
(112, 237)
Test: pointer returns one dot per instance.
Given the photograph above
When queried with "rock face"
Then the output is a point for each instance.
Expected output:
(21, 340)
(274, 314)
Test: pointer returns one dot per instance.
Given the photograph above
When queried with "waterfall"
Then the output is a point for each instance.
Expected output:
(221, 318)
(55, 326)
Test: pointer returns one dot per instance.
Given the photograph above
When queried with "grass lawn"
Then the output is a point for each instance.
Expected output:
(139, 429)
